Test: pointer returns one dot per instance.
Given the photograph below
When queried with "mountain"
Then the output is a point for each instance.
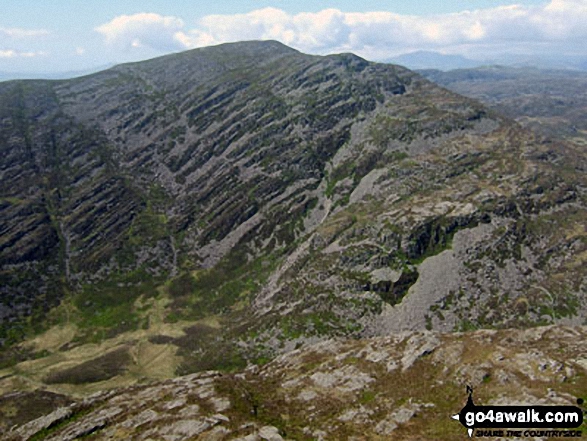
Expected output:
(421, 60)
(221, 206)
(434, 60)
(550, 102)
(560, 61)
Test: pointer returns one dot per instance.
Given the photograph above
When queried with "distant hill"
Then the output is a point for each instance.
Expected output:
(551, 102)
(421, 60)
(556, 62)
(434, 60)
(6, 76)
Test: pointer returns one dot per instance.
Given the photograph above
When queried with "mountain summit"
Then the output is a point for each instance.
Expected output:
(229, 203)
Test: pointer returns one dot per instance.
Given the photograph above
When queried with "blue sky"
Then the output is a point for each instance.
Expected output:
(69, 35)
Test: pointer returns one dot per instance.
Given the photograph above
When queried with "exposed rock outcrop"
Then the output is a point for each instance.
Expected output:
(339, 389)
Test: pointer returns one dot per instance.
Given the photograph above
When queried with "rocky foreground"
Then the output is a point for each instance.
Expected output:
(402, 387)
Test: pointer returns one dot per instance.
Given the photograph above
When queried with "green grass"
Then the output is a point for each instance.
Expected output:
(216, 290)
(106, 309)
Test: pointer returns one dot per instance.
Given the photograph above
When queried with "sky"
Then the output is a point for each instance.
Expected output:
(75, 35)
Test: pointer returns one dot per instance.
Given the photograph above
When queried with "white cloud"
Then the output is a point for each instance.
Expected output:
(10, 53)
(32, 54)
(371, 34)
(18, 33)
(144, 29)
(385, 33)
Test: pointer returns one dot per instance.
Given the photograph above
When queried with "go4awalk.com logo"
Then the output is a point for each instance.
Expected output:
(518, 421)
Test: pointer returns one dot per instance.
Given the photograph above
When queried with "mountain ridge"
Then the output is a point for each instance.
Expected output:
(227, 209)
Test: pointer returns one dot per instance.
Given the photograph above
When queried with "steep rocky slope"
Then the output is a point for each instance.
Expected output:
(223, 205)
(402, 387)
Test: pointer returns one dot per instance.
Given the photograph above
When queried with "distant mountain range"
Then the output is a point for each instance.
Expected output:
(445, 62)
(433, 60)
(413, 60)
(6, 76)
(552, 102)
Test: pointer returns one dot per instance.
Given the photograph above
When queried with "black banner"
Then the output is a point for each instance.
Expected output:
(518, 417)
